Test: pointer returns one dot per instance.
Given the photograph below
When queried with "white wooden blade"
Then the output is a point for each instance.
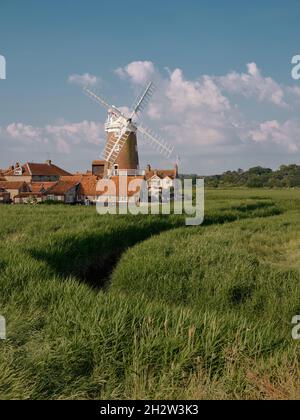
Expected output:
(103, 102)
(143, 101)
(113, 148)
(155, 141)
(96, 98)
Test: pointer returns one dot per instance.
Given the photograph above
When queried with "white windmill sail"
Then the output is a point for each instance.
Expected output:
(96, 97)
(113, 150)
(143, 100)
(155, 141)
(127, 126)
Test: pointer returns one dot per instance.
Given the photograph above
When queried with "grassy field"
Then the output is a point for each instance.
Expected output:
(130, 307)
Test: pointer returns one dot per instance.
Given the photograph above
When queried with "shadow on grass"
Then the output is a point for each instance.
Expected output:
(243, 211)
(92, 257)
(246, 207)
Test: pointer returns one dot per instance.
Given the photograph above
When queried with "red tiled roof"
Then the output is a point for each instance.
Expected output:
(62, 187)
(37, 187)
(40, 169)
(161, 173)
(72, 178)
(88, 185)
(12, 185)
(98, 162)
(3, 171)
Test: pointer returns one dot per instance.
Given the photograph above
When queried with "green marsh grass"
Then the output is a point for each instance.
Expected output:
(129, 307)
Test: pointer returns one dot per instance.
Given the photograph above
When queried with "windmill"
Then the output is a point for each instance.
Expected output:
(121, 152)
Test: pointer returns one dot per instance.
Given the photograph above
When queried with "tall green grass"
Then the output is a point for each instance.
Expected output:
(140, 307)
(222, 267)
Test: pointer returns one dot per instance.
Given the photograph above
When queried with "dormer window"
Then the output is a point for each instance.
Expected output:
(18, 171)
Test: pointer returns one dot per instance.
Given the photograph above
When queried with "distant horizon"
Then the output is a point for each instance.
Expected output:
(75, 171)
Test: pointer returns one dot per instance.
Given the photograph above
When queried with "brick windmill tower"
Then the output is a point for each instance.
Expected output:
(121, 150)
(124, 155)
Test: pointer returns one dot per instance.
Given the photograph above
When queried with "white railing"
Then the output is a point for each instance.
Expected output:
(127, 172)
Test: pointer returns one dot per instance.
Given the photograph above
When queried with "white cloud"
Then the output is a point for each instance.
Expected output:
(184, 95)
(87, 131)
(194, 115)
(139, 72)
(85, 79)
(286, 135)
(63, 146)
(294, 90)
(23, 132)
(62, 135)
(198, 117)
(253, 85)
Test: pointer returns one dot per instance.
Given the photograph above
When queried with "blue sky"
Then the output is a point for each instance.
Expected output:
(194, 47)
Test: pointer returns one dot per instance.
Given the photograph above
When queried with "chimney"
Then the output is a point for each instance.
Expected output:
(148, 167)
(17, 165)
(49, 162)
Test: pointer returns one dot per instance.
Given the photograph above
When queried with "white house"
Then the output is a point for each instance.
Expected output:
(160, 180)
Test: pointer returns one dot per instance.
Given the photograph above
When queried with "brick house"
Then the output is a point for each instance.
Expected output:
(88, 189)
(35, 195)
(14, 188)
(41, 187)
(63, 191)
(35, 172)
